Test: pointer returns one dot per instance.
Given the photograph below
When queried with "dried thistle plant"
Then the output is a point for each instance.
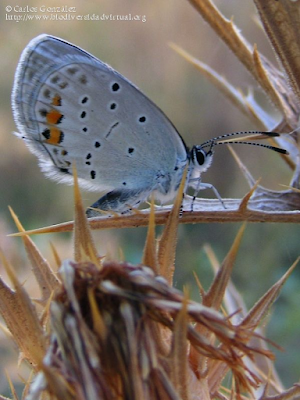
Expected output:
(111, 330)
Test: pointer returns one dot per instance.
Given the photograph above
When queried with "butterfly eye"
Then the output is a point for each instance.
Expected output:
(198, 156)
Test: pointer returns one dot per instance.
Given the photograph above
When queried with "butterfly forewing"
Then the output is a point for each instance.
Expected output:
(71, 107)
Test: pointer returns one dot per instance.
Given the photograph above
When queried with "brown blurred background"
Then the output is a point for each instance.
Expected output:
(139, 50)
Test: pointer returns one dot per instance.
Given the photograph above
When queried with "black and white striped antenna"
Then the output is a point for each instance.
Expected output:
(226, 139)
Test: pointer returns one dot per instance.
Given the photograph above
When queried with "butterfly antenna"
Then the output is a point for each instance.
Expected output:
(220, 140)
(266, 146)
(229, 135)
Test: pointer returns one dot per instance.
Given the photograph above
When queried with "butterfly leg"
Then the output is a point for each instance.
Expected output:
(210, 186)
(201, 186)
(119, 201)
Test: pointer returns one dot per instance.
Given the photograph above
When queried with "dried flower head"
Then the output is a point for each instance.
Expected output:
(118, 331)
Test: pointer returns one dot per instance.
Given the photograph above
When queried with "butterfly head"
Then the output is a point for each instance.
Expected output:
(201, 157)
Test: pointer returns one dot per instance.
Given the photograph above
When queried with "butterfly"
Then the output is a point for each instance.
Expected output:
(70, 107)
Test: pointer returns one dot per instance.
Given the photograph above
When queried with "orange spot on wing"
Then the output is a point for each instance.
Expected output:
(53, 117)
(56, 101)
(55, 136)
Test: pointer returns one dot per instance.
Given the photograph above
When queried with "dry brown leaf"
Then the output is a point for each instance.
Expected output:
(83, 241)
(21, 318)
(281, 22)
(43, 273)
(150, 255)
(167, 243)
